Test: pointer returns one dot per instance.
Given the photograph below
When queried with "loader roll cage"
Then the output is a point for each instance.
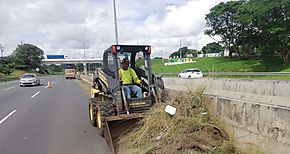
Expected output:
(114, 55)
(112, 61)
(109, 110)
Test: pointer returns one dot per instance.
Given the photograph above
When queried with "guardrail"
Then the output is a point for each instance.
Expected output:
(240, 73)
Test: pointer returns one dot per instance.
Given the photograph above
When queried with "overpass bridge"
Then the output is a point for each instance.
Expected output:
(73, 61)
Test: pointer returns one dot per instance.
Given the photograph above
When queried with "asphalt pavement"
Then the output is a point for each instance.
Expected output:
(41, 120)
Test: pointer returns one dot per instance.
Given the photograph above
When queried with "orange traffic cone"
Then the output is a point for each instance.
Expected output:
(48, 84)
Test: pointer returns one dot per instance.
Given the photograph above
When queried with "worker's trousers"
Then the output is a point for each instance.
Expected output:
(128, 89)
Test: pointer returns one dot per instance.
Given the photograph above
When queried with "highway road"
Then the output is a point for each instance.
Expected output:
(41, 120)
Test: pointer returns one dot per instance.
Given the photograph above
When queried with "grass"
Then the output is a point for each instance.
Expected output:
(13, 76)
(193, 129)
(18, 73)
(8, 78)
(224, 64)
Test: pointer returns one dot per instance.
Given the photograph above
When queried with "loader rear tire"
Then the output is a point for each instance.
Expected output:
(92, 112)
(103, 110)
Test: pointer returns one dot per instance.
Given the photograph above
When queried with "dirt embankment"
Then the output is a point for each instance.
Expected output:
(193, 129)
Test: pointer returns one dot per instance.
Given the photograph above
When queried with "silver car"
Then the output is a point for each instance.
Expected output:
(29, 79)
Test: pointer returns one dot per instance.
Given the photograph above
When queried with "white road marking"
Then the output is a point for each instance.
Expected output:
(46, 87)
(5, 118)
(35, 94)
(9, 88)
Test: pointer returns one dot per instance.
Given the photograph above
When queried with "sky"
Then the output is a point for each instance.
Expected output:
(68, 26)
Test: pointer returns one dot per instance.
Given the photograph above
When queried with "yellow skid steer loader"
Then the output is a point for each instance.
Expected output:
(109, 110)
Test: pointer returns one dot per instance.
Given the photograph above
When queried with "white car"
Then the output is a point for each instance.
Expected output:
(29, 79)
(191, 73)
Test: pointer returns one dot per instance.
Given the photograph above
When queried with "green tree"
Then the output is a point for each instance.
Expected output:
(235, 35)
(6, 66)
(271, 19)
(80, 67)
(28, 56)
(193, 52)
(213, 47)
(53, 68)
(183, 51)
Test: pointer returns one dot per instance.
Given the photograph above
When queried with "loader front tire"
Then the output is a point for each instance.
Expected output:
(92, 112)
(103, 110)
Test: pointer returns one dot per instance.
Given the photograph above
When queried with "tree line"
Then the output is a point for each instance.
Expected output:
(247, 27)
(28, 57)
(213, 47)
(24, 57)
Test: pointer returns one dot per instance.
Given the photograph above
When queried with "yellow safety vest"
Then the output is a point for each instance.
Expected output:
(128, 76)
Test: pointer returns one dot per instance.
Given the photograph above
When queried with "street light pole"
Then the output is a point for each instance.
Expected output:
(84, 47)
(116, 25)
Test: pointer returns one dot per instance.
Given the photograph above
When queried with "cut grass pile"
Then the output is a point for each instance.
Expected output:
(193, 129)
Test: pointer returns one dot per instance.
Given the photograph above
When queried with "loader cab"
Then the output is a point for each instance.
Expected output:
(109, 110)
(139, 57)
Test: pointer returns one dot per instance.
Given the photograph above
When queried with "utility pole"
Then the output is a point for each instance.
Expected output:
(2, 50)
(116, 25)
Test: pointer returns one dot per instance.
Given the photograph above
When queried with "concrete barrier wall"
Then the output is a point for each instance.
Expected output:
(265, 125)
(263, 91)
(260, 87)
(259, 111)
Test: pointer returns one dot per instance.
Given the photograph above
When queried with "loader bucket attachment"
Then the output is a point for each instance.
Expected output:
(119, 125)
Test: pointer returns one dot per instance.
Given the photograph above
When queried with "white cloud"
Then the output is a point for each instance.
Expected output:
(56, 24)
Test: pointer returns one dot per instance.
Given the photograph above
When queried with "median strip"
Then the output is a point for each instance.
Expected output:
(35, 94)
(6, 117)
(9, 88)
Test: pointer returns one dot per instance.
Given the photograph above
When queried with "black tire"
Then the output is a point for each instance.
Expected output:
(103, 110)
(21, 85)
(92, 112)
(189, 76)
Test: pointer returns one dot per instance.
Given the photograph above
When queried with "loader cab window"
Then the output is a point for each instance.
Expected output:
(140, 61)
(111, 62)
(121, 56)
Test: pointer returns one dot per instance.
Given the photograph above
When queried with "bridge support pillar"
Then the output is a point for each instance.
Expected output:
(85, 69)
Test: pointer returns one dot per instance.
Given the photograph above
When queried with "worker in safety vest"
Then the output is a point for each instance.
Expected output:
(129, 79)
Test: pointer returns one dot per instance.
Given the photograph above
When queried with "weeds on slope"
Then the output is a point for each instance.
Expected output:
(193, 129)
